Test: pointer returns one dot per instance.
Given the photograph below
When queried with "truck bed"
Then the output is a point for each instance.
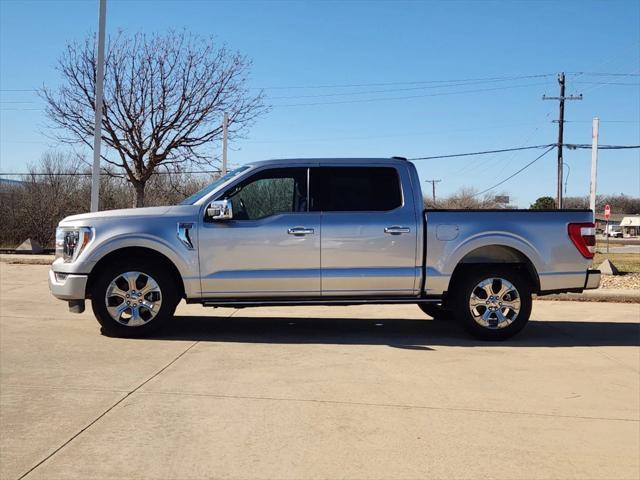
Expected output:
(538, 237)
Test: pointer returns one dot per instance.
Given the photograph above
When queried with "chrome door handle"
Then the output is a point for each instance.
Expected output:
(396, 230)
(300, 231)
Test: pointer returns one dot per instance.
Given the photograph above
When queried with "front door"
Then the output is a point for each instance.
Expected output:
(272, 244)
(369, 234)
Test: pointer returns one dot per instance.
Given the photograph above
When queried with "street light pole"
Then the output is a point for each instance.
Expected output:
(97, 130)
(225, 138)
(595, 127)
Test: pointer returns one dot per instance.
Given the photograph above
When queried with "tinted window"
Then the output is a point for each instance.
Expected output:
(280, 190)
(343, 189)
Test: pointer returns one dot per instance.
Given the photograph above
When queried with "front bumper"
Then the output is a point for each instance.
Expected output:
(593, 279)
(68, 286)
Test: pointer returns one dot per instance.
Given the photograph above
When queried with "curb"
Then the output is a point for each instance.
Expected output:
(25, 259)
(599, 295)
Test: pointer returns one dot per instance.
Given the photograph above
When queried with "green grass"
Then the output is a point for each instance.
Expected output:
(626, 262)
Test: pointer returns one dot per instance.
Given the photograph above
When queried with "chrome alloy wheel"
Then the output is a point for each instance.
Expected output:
(133, 299)
(494, 303)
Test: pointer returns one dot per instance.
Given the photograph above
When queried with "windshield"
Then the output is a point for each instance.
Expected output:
(212, 186)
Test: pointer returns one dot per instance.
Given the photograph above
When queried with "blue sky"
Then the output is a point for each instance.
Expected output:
(310, 44)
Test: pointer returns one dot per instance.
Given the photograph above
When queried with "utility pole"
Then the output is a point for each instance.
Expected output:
(97, 128)
(561, 99)
(433, 187)
(594, 165)
(225, 135)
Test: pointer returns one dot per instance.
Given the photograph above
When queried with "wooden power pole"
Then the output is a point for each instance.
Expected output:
(561, 99)
(433, 187)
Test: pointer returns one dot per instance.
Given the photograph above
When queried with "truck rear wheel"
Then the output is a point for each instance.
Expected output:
(493, 302)
(133, 298)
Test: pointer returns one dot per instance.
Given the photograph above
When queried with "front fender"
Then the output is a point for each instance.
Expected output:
(185, 260)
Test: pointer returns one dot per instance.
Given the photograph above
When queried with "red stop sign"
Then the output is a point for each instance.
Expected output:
(607, 212)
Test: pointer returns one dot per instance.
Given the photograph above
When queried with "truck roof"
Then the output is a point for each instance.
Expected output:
(331, 161)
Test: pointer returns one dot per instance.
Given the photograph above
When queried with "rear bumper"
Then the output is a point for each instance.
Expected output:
(593, 279)
(67, 286)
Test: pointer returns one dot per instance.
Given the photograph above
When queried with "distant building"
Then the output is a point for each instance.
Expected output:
(630, 226)
(614, 220)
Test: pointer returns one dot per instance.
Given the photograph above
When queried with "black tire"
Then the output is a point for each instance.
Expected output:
(169, 296)
(435, 311)
(466, 285)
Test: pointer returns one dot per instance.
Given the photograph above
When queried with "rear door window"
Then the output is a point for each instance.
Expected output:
(355, 189)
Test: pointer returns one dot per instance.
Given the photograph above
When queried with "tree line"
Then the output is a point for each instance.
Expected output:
(619, 203)
(58, 186)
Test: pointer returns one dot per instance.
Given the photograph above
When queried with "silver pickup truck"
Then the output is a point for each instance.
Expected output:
(320, 232)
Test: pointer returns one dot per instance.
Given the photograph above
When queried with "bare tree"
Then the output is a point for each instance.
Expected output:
(619, 203)
(164, 98)
(59, 185)
(467, 198)
(32, 207)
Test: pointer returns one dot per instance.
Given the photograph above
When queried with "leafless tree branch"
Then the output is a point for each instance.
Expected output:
(164, 98)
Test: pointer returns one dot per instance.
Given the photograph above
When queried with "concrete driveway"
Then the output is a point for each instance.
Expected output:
(324, 393)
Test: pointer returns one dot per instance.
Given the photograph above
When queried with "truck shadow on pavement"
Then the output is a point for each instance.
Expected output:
(398, 333)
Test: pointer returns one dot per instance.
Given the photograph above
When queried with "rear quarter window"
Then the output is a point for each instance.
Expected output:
(355, 189)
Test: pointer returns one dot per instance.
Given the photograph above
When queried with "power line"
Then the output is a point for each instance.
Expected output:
(602, 121)
(550, 147)
(504, 160)
(601, 147)
(81, 174)
(414, 82)
(483, 152)
(612, 74)
(422, 87)
(364, 100)
(516, 173)
(610, 83)
(365, 92)
(408, 97)
(374, 84)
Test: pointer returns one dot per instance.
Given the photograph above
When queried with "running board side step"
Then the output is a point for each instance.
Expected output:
(271, 302)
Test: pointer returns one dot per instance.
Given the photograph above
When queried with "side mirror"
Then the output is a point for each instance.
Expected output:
(220, 210)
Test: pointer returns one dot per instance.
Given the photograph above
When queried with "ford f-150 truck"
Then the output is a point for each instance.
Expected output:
(320, 232)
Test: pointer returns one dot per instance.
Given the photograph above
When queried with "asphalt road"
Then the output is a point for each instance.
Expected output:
(337, 392)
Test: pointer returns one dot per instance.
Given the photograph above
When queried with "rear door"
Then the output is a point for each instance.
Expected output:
(368, 224)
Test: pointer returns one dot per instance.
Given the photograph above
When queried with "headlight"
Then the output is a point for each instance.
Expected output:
(70, 241)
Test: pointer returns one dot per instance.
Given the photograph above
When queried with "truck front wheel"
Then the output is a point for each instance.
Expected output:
(133, 298)
(493, 302)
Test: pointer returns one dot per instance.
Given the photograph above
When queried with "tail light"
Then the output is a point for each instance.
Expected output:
(583, 236)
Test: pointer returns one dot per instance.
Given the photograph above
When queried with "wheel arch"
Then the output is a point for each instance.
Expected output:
(135, 252)
(497, 254)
